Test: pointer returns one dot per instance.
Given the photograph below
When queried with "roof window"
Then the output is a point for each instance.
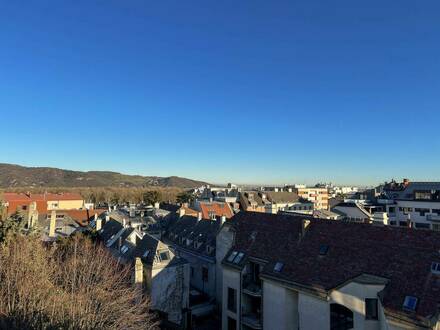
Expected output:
(323, 249)
(410, 303)
(278, 267)
(435, 268)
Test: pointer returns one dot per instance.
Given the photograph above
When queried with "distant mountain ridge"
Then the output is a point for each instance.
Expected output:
(12, 176)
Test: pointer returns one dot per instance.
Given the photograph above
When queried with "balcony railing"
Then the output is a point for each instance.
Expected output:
(433, 217)
(252, 320)
(251, 287)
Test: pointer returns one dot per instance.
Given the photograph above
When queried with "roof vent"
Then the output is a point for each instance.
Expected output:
(323, 249)
(410, 303)
(435, 268)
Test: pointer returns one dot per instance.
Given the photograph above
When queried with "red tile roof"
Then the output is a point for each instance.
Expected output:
(218, 208)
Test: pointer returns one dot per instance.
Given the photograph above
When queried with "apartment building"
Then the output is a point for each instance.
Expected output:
(45, 202)
(157, 269)
(413, 204)
(283, 272)
(318, 196)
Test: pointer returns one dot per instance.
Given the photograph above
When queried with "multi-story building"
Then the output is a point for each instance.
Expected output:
(286, 272)
(45, 202)
(414, 204)
(274, 201)
(158, 270)
(319, 196)
(194, 239)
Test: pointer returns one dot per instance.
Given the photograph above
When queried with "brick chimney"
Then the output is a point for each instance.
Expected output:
(53, 223)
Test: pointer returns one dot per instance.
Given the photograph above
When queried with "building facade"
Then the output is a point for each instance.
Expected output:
(286, 272)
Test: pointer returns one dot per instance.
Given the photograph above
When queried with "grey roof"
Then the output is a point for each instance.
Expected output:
(398, 191)
(188, 227)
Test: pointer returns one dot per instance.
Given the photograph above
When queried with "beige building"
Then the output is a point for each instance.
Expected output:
(319, 196)
(285, 272)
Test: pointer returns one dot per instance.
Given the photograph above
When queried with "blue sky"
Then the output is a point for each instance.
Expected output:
(243, 91)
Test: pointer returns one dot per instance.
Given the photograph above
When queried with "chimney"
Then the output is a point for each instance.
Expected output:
(53, 223)
(138, 272)
(199, 216)
(124, 223)
(107, 218)
(405, 182)
(305, 223)
(156, 205)
(181, 212)
(98, 224)
(221, 220)
(119, 243)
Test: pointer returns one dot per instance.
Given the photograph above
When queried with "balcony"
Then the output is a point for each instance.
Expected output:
(251, 287)
(433, 217)
(252, 320)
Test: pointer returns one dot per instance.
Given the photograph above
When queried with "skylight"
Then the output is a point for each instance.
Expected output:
(237, 259)
(146, 253)
(124, 249)
(232, 256)
(323, 249)
(410, 303)
(435, 268)
(278, 267)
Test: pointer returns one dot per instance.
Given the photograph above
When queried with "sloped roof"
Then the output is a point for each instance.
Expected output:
(188, 227)
(219, 208)
(401, 255)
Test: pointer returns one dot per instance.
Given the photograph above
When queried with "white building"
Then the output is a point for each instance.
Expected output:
(414, 204)
(284, 272)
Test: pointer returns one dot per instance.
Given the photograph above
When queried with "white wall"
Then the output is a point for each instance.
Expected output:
(314, 313)
(280, 307)
(231, 279)
(353, 297)
(224, 242)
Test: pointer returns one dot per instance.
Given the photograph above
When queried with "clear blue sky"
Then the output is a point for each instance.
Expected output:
(243, 91)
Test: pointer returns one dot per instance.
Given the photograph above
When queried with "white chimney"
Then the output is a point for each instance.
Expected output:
(107, 218)
(124, 223)
(181, 212)
(98, 224)
(52, 224)
(222, 220)
(156, 205)
(199, 216)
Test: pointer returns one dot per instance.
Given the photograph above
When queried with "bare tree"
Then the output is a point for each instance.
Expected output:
(74, 284)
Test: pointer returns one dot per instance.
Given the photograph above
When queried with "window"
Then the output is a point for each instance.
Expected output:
(146, 253)
(436, 211)
(205, 274)
(410, 303)
(436, 227)
(24, 207)
(232, 301)
(403, 223)
(341, 318)
(371, 309)
(232, 324)
(124, 249)
(192, 271)
(435, 268)
(237, 259)
(392, 210)
(278, 267)
(323, 249)
(164, 256)
(422, 212)
(393, 223)
(424, 195)
(422, 225)
(232, 256)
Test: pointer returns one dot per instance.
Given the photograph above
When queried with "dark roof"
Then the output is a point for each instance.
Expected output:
(282, 196)
(110, 228)
(401, 255)
(169, 207)
(189, 227)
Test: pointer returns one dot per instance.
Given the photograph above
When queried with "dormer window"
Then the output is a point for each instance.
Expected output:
(232, 256)
(410, 303)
